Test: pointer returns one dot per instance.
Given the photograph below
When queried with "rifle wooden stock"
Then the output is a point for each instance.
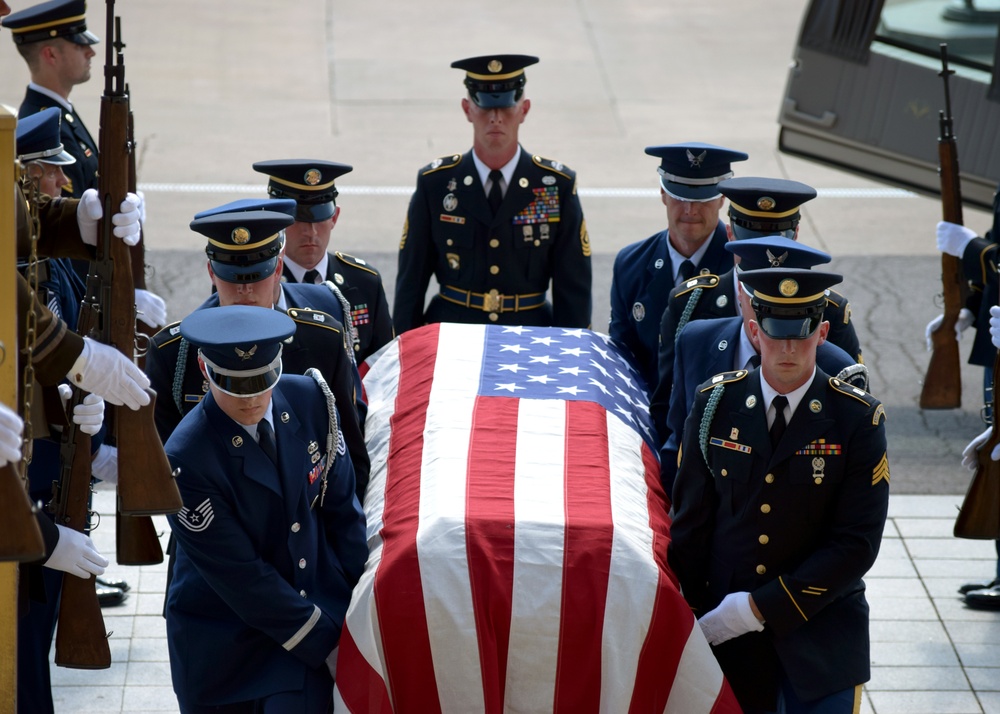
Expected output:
(81, 638)
(136, 541)
(145, 483)
(20, 537)
(979, 516)
(942, 388)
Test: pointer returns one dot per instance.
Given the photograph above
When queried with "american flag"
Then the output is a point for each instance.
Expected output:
(518, 536)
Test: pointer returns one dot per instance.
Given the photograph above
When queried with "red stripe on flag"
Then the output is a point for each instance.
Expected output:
(586, 558)
(489, 523)
(397, 590)
(367, 692)
(726, 702)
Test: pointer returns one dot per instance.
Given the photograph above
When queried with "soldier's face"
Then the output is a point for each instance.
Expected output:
(49, 178)
(690, 223)
(495, 130)
(787, 364)
(242, 410)
(73, 60)
(305, 243)
(263, 293)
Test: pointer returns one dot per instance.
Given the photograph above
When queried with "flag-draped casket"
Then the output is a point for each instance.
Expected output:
(518, 536)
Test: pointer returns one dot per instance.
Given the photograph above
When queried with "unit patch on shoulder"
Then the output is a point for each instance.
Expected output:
(197, 519)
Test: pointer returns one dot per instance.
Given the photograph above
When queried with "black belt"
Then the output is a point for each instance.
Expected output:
(492, 301)
(43, 269)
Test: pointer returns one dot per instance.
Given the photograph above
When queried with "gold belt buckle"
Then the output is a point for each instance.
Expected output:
(493, 301)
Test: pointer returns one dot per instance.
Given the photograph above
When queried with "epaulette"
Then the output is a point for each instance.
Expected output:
(552, 165)
(168, 334)
(725, 378)
(852, 391)
(705, 280)
(355, 262)
(308, 316)
(834, 298)
(445, 162)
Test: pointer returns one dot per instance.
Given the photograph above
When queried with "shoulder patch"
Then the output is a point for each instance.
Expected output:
(705, 280)
(445, 162)
(354, 262)
(852, 391)
(725, 378)
(308, 316)
(168, 334)
(553, 166)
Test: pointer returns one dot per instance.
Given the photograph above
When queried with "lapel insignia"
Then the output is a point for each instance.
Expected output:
(742, 448)
(467, 180)
(815, 406)
(522, 182)
(237, 441)
(819, 463)
(284, 417)
(723, 344)
(204, 386)
(658, 264)
(338, 278)
(751, 402)
(721, 301)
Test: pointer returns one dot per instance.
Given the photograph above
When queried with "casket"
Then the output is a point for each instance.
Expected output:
(518, 536)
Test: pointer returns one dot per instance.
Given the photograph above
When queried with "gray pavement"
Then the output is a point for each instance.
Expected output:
(219, 85)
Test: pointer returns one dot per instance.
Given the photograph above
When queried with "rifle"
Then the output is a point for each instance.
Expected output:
(145, 483)
(136, 539)
(81, 638)
(979, 516)
(20, 538)
(943, 382)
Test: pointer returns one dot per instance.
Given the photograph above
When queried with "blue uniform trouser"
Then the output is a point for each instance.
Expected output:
(34, 639)
(846, 701)
(315, 697)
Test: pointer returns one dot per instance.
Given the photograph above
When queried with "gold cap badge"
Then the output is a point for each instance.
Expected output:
(312, 177)
(766, 203)
(241, 236)
(788, 287)
(494, 66)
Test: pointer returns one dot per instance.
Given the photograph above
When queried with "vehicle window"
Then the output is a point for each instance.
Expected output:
(969, 27)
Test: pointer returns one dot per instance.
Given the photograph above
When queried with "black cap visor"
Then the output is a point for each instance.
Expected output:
(247, 384)
(244, 272)
(315, 212)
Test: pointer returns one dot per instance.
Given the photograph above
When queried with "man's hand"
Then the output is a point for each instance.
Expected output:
(125, 222)
(150, 308)
(963, 323)
(732, 618)
(970, 455)
(995, 326)
(331, 662)
(76, 554)
(11, 430)
(105, 371)
(953, 238)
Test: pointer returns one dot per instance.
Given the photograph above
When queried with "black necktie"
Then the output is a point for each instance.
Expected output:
(310, 277)
(265, 439)
(778, 426)
(495, 196)
(685, 271)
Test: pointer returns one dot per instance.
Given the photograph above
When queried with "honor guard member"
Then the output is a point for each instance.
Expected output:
(496, 226)
(311, 184)
(271, 538)
(722, 344)
(779, 506)
(54, 41)
(646, 271)
(244, 263)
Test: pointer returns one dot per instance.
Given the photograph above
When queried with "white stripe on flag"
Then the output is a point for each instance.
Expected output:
(698, 678)
(539, 508)
(634, 576)
(441, 546)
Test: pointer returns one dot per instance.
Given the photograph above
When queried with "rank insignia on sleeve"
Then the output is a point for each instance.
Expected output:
(742, 448)
(819, 447)
(197, 520)
(881, 471)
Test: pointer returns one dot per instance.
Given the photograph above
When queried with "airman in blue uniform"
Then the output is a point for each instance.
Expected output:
(310, 183)
(779, 506)
(646, 271)
(496, 226)
(271, 538)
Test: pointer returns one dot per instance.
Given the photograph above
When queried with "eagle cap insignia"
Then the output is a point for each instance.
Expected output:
(788, 287)
(241, 236)
(313, 177)
(245, 354)
(766, 203)
(777, 260)
(696, 160)
(494, 66)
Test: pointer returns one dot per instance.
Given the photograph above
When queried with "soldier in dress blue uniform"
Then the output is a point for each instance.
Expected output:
(646, 271)
(779, 506)
(271, 538)
(310, 183)
(54, 41)
(722, 344)
(496, 225)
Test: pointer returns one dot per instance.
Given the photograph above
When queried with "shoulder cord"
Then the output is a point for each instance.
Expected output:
(333, 434)
(352, 331)
(706, 420)
(688, 309)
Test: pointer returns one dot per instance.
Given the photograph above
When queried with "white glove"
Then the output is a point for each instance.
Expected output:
(995, 326)
(125, 222)
(76, 554)
(105, 464)
(970, 457)
(331, 662)
(151, 308)
(105, 371)
(141, 206)
(11, 429)
(953, 238)
(732, 618)
(89, 414)
(963, 323)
